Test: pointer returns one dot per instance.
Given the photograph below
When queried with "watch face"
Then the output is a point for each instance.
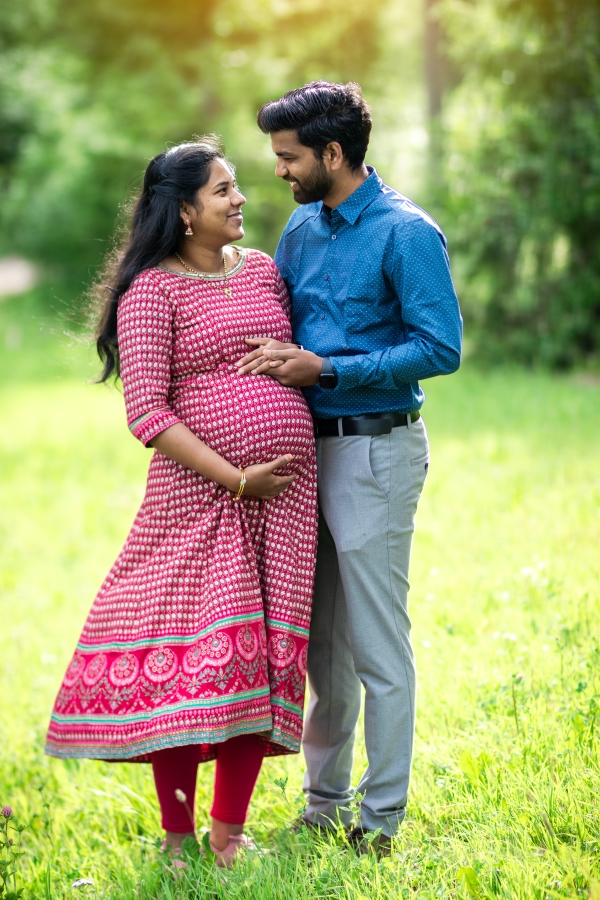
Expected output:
(328, 381)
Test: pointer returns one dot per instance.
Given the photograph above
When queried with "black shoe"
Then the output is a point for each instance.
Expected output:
(301, 823)
(364, 840)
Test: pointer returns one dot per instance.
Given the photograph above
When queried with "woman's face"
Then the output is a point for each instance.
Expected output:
(217, 219)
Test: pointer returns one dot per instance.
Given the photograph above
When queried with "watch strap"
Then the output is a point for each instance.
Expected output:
(328, 377)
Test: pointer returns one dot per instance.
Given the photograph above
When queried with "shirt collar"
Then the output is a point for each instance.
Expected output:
(359, 199)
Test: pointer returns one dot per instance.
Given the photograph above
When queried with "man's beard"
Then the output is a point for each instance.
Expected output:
(314, 187)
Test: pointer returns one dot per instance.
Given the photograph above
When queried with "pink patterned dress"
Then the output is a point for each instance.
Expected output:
(199, 632)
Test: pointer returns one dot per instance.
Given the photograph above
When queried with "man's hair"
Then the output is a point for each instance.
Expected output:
(321, 112)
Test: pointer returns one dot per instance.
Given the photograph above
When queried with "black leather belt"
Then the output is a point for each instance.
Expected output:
(370, 423)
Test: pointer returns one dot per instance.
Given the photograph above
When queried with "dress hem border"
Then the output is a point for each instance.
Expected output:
(287, 742)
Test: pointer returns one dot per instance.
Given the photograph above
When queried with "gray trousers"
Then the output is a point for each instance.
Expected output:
(369, 488)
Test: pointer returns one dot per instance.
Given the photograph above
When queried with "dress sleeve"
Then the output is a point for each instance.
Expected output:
(145, 335)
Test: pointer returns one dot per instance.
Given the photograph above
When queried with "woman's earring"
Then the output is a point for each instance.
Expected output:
(189, 231)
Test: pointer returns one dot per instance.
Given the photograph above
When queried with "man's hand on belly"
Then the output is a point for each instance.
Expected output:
(294, 368)
(287, 363)
(255, 362)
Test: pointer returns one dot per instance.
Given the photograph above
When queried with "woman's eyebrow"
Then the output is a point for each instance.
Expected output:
(221, 183)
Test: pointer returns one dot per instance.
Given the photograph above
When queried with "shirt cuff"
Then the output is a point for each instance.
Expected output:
(146, 427)
(348, 370)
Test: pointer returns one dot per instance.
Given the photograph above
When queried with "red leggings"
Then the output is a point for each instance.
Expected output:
(238, 763)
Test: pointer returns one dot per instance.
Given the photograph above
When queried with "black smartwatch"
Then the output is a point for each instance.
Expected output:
(327, 378)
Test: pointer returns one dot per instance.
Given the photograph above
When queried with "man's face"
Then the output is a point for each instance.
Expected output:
(308, 176)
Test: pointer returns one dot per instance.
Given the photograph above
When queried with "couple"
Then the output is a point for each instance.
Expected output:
(199, 641)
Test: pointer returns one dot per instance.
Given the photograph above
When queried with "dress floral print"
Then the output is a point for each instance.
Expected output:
(199, 632)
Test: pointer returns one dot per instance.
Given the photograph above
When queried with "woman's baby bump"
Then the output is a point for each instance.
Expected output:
(259, 418)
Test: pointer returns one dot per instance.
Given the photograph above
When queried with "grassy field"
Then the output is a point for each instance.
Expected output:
(505, 604)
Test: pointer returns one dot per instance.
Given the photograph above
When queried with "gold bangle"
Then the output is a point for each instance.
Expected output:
(240, 490)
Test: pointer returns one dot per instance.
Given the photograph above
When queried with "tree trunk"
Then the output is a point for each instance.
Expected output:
(434, 82)
(434, 67)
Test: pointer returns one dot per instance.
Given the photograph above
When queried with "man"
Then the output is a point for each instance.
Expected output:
(374, 310)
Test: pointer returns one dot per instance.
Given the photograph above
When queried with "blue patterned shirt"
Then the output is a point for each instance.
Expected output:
(371, 288)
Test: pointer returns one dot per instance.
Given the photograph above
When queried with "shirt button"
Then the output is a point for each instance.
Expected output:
(322, 315)
(326, 277)
(334, 237)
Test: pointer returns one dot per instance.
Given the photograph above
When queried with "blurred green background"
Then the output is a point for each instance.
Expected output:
(486, 112)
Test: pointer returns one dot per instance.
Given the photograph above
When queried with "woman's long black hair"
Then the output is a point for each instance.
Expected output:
(156, 231)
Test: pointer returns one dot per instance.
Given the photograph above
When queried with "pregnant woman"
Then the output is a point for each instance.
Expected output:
(195, 647)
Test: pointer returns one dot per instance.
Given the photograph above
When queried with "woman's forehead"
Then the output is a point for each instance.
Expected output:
(221, 170)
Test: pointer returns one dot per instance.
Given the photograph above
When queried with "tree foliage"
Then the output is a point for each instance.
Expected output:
(90, 91)
(521, 186)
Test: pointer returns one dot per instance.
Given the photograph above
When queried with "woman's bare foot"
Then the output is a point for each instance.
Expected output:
(173, 841)
(172, 845)
(220, 833)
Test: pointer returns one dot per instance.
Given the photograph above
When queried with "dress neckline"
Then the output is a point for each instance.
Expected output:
(212, 276)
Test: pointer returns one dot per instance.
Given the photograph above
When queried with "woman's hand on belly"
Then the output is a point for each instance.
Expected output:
(262, 482)
(179, 444)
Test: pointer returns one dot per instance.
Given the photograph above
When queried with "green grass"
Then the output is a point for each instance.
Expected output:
(505, 605)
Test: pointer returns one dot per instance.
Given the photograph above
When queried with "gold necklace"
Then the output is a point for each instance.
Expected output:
(208, 277)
